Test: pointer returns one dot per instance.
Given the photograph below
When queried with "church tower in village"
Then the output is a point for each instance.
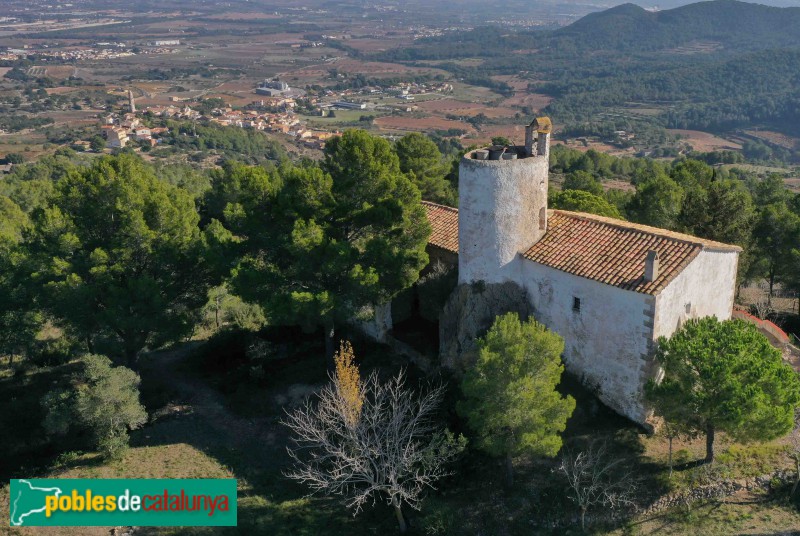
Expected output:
(502, 205)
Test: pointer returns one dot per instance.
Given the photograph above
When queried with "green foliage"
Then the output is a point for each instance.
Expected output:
(13, 221)
(15, 158)
(118, 254)
(584, 181)
(421, 160)
(184, 176)
(51, 352)
(319, 243)
(226, 309)
(725, 376)
(15, 123)
(114, 445)
(723, 212)
(581, 201)
(657, 202)
(30, 185)
(248, 145)
(97, 144)
(18, 320)
(104, 399)
(777, 238)
(510, 398)
(500, 140)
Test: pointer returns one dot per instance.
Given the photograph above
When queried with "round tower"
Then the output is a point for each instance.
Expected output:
(502, 208)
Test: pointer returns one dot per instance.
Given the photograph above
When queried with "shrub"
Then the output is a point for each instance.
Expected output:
(104, 399)
(52, 352)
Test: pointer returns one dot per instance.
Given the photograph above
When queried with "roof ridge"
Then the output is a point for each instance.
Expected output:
(666, 233)
(432, 204)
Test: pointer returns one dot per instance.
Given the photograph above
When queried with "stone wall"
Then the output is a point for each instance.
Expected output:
(436, 254)
(375, 322)
(468, 315)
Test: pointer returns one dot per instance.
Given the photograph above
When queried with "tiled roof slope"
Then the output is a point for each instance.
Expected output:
(613, 251)
(444, 226)
(602, 249)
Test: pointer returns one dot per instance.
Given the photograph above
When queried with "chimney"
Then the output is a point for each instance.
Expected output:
(651, 267)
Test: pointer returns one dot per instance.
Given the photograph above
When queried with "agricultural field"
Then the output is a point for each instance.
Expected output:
(775, 138)
(705, 142)
(424, 124)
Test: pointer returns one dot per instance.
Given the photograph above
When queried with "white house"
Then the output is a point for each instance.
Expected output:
(609, 287)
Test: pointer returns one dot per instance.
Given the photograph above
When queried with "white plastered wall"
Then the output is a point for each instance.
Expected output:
(606, 341)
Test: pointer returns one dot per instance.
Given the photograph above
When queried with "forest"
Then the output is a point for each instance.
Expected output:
(129, 284)
(678, 61)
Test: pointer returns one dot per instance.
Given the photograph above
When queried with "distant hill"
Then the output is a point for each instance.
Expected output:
(728, 23)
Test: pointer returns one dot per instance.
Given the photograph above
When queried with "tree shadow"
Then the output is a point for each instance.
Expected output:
(694, 464)
(251, 442)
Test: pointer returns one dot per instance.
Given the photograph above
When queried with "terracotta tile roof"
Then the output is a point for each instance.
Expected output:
(602, 249)
(444, 226)
(613, 251)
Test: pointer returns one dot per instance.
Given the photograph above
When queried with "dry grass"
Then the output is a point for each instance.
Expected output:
(775, 138)
(422, 124)
(462, 108)
(60, 71)
(705, 142)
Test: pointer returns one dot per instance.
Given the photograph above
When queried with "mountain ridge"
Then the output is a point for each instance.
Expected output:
(731, 23)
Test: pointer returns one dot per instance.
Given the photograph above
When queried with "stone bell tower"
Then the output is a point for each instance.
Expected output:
(502, 208)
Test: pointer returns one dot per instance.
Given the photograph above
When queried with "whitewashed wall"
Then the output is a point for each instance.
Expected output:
(499, 208)
(706, 287)
(378, 321)
(606, 342)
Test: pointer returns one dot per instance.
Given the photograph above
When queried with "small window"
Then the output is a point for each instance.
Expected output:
(576, 304)
(688, 307)
(542, 219)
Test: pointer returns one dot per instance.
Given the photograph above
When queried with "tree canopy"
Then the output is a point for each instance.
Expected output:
(105, 399)
(725, 376)
(582, 201)
(18, 320)
(321, 244)
(119, 257)
(510, 397)
(420, 159)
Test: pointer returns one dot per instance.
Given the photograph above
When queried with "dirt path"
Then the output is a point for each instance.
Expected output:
(202, 401)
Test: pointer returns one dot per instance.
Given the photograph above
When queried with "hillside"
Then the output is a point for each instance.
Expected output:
(718, 65)
(722, 26)
(728, 23)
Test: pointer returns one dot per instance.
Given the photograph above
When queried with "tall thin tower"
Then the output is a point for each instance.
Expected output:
(502, 205)
(131, 102)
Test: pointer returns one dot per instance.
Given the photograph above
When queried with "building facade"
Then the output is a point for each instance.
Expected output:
(610, 288)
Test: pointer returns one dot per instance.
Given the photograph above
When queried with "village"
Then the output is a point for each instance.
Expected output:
(96, 52)
(275, 112)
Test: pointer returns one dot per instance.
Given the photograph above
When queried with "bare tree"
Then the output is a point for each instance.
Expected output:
(370, 441)
(597, 479)
(762, 305)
